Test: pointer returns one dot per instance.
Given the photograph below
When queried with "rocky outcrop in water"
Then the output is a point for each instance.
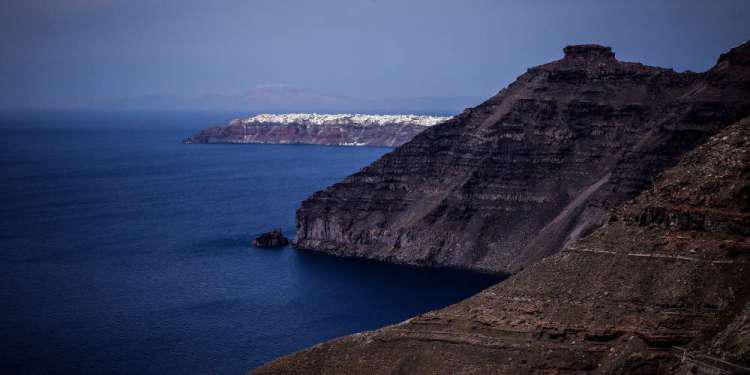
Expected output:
(533, 168)
(311, 128)
(662, 287)
(273, 238)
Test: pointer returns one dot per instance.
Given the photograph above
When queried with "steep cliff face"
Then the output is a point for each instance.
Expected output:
(662, 287)
(538, 165)
(316, 129)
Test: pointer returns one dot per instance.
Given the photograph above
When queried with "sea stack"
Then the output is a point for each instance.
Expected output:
(273, 238)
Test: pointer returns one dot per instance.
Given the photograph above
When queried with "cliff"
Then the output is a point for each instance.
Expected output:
(661, 287)
(302, 128)
(533, 168)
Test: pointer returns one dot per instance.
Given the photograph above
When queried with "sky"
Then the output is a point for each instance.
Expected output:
(329, 53)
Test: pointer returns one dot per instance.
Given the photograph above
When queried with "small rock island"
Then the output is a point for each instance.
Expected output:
(273, 238)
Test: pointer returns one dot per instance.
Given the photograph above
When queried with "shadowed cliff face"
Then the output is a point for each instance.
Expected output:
(531, 169)
(668, 269)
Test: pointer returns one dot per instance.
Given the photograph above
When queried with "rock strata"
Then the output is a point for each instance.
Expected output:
(273, 238)
(530, 170)
(661, 287)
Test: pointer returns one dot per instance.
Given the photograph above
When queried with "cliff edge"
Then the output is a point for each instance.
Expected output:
(661, 287)
(530, 170)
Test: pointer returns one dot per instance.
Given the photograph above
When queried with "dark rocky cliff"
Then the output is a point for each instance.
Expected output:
(662, 287)
(536, 166)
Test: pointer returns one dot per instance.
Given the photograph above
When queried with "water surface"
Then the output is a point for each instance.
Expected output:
(124, 251)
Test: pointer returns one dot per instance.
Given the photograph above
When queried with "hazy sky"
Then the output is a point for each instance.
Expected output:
(72, 53)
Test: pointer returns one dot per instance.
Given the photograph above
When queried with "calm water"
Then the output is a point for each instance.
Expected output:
(123, 251)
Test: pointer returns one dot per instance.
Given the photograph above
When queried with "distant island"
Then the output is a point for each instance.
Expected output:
(320, 129)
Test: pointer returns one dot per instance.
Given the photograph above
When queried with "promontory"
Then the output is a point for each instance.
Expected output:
(320, 129)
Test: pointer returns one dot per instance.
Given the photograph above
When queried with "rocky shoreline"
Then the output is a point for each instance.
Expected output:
(639, 295)
(619, 196)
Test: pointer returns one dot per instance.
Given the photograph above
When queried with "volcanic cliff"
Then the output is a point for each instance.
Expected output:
(661, 287)
(533, 168)
(319, 129)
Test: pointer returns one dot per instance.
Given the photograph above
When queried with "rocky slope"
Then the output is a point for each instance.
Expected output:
(311, 128)
(538, 165)
(662, 287)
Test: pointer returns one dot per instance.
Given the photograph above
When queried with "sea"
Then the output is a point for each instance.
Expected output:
(123, 251)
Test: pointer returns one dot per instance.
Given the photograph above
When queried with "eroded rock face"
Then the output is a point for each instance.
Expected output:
(621, 300)
(516, 178)
(317, 129)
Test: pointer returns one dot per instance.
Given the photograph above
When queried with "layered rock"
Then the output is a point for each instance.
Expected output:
(662, 287)
(312, 128)
(536, 166)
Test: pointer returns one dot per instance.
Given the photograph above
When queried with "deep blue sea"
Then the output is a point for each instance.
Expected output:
(124, 251)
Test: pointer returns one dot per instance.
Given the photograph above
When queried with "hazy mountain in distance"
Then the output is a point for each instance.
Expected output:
(285, 98)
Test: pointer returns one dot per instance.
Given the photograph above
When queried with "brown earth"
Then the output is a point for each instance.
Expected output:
(661, 287)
